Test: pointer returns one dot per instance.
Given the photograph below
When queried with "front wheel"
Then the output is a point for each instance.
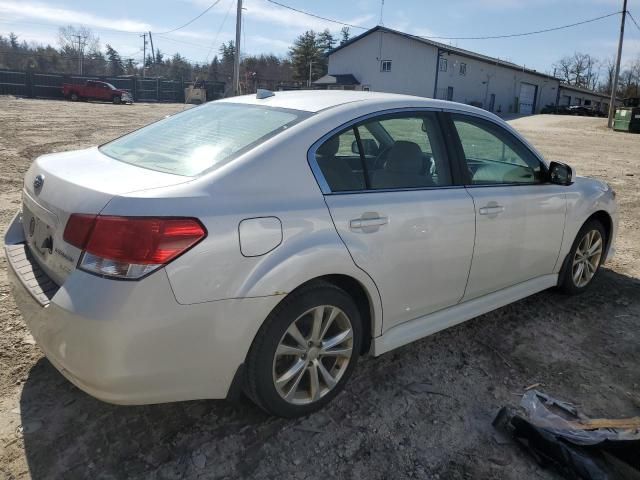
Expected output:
(117, 99)
(584, 259)
(305, 352)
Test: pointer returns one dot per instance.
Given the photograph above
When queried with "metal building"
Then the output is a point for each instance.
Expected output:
(382, 59)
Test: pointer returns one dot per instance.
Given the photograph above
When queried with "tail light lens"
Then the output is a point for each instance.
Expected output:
(130, 247)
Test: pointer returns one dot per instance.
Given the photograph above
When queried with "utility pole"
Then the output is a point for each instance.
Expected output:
(79, 37)
(236, 57)
(144, 53)
(153, 52)
(310, 66)
(614, 87)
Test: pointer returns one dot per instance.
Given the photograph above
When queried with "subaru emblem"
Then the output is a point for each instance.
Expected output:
(38, 182)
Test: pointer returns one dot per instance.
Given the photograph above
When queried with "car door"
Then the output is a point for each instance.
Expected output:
(519, 215)
(103, 92)
(91, 89)
(401, 214)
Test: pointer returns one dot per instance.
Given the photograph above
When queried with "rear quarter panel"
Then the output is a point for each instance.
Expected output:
(273, 180)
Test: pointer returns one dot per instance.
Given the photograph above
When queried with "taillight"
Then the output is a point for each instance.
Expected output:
(130, 247)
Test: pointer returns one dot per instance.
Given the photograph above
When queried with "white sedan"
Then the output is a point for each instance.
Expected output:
(263, 243)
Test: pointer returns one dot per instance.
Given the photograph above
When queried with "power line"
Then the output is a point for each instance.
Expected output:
(193, 19)
(535, 32)
(317, 16)
(215, 39)
(633, 20)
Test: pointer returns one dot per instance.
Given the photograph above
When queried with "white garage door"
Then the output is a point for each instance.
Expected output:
(527, 98)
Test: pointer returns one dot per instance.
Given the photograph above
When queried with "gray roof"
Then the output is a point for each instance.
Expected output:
(573, 88)
(337, 79)
(444, 47)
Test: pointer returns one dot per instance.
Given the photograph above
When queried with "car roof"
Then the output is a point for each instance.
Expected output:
(318, 100)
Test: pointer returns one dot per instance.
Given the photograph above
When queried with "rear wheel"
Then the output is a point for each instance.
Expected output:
(584, 259)
(74, 97)
(305, 352)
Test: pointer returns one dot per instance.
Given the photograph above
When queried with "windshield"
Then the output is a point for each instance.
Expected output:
(201, 138)
(110, 86)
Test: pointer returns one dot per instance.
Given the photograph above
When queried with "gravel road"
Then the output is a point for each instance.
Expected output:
(422, 411)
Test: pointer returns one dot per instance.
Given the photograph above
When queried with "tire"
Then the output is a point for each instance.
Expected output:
(117, 99)
(282, 383)
(74, 97)
(572, 282)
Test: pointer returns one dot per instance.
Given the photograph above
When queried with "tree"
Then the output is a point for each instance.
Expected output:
(307, 57)
(346, 34)
(116, 67)
(159, 56)
(130, 67)
(214, 68)
(579, 69)
(326, 41)
(13, 41)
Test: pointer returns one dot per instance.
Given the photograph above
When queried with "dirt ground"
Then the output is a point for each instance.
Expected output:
(422, 411)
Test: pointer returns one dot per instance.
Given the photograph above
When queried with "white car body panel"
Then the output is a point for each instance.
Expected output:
(518, 243)
(427, 241)
(162, 338)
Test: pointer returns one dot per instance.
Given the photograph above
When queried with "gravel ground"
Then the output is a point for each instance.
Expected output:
(422, 411)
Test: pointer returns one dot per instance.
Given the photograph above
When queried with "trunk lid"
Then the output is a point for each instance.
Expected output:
(83, 181)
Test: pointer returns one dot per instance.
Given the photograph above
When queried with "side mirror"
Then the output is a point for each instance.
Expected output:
(560, 173)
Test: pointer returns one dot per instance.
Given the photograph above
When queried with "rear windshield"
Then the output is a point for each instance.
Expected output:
(201, 138)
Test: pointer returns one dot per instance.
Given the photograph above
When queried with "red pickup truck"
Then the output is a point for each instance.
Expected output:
(95, 90)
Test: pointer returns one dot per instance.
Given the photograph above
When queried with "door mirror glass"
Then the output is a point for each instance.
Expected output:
(369, 145)
(560, 173)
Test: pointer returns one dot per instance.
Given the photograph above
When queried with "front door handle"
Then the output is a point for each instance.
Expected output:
(368, 222)
(491, 209)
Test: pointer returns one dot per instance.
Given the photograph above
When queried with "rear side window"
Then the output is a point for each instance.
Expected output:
(388, 152)
(202, 138)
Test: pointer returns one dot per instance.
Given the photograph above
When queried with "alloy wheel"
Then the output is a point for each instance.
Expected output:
(313, 355)
(587, 258)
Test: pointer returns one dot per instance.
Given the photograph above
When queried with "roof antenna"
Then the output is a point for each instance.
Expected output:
(381, 23)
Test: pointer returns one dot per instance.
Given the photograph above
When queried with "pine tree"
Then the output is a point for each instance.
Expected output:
(306, 52)
(346, 34)
(114, 61)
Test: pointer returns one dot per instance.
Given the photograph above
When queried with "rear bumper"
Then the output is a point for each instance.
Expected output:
(132, 343)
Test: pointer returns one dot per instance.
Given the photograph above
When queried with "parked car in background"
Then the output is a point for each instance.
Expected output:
(96, 90)
(555, 109)
(263, 243)
(585, 111)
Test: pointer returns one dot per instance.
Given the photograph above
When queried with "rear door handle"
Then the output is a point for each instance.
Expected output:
(491, 210)
(368, 222)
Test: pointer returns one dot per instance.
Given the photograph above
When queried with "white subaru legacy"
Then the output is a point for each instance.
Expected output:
(263, 243)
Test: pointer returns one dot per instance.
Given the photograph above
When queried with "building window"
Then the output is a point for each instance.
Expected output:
(443, 64)
(366, 88)
(463, 69)
(385, 65)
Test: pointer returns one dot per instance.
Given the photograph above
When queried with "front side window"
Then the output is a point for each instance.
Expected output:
(201, 138)
(493, 155)
(391, 152)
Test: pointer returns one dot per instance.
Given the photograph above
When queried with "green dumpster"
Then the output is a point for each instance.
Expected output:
(627, 119)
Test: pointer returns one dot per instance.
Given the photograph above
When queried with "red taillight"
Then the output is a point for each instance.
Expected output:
(78, 229)
(130, 247)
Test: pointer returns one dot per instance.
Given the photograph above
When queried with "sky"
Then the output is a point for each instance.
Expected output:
(268, 28)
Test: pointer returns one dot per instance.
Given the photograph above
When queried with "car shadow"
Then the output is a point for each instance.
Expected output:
(68, 434)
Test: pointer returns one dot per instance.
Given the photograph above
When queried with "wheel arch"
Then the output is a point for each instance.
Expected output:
(607, 222)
